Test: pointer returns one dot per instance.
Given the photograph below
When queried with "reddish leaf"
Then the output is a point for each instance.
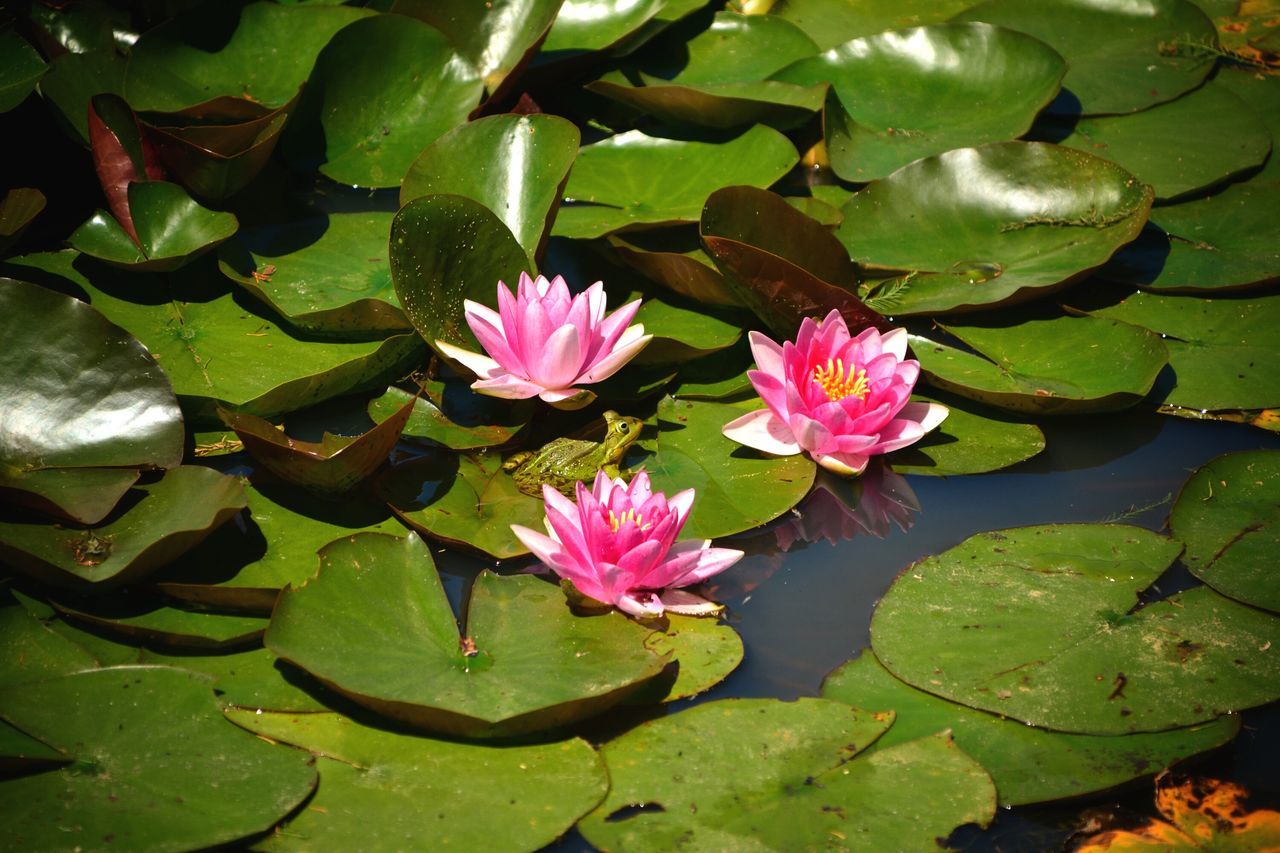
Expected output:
(122, 154)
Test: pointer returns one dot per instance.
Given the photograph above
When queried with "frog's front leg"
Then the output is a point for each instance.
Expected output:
(516, 459)
(613, 471)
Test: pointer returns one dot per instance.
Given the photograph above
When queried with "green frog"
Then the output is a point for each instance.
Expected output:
(562, 462)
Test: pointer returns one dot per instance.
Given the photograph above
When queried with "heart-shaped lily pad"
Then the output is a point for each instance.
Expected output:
(222, 50)
(1036, 614)
(776, 776)
(382, 88)
(463, 500)
(375, 625)
(1228, 513)
(737, 488)
(833, 22)
(1045, 364)
(909, 94)
(20, 69)
(1224, 352)
(154, 524)
(991, 225)
(512, 164)
(172, 230)
(145, 743)
(1179, 147)
(332, 465)
(632, 179)
(217, 351)
(86, 405)
(1028, 765)
(328, 276)
(1123, 56)
(454, 416)
(970, 441)
(430, 794)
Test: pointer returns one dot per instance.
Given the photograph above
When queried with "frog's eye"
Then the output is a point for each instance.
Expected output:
(624, 427)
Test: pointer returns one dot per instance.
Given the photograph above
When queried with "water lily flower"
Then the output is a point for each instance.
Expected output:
(839, 398)
(543, 342)
(617, 544)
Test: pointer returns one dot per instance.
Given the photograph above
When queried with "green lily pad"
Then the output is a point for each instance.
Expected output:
(263, 50)
(719, 376)
(722, 105)
(328, 276)
(1040, 363)
(154, 524)
(915, 93)
(1036, 614)
(737, 488)
(530, 664)
(833, 22)
(706, 651)
(453, 416)
(86, 405)
(423, 88)
(173, 229)
(1228, 240)
(1028, 765)
(130, 617)
(1224, 352)
(673, 258)
(515, 165)
(243, 570)
(18, 208)
(1262, 93)
(463, 500)
(992, 225)
(252, 678)
(972, 440)
(1228, 513)
(446, 249)
(681, 330)
(216, 351)
(773, 775)
(1123, 57)
(20, 69)
(145, 744)
(333, 465)
(590, 25)
(632, 179)
(74, 78)
(1179, 147)
(33, 652)
(20, 753)
(429, 794)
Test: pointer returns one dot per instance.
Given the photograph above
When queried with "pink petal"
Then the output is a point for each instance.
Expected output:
(895, 341)
(557, 365)
(688, 604)
(624, 352)
(508, 386)
(480, 365)
(762, 430)
(568, 399)
(844, 464)
(811, 434)
(694, 560)
(494, 341)
(641, 604)
(546, 549)
(610, 331)
(772, 390)
(768, 355)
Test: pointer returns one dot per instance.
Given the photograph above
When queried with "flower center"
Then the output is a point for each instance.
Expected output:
(839, 383)
(616, 521)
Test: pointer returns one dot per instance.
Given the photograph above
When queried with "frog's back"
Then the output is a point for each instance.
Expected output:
(562, 461)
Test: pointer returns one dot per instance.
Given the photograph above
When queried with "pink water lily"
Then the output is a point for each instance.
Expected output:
(839, 398)
(617, 544)
(543, 342)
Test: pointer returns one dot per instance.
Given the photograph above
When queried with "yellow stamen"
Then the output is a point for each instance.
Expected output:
(838, 384)
(631, 515)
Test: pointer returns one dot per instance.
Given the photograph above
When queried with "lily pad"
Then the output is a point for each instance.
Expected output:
(915, 93)
(430, 794)
(382, 88)
(737, 488)
(453, 416)
(972, 440)
(706, 651)
(122, 154)
(1262, 93)
(18, 208)
(145, 743)
(86, 405)
(33, 652)
(1224, 352)
(987, 226)
(590, 25)
(261, 50)
(1123, 56)
(74, 78)
(172, 227)
(250, 678)
(154, 524)
(446, 249)
(515, 165)
(131, 617)
(1228, 513)
(464, 500)
(773, 776)
(1028, 765)
(833, 22)
(1045, 364)
(20, 69)
(631, 179)
(723, 105)
(524, 663)
(216, 351)
(328, 276)
(1179, 147)
(719, 376)
(332, 465)
(673, 257)
(681, 330)
(1036, 614)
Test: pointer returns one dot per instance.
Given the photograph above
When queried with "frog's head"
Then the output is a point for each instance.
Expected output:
(620, 433)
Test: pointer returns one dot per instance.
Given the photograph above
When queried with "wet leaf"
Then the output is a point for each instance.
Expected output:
(122, 155)
(430, 794)
(674, 259)
(833, 22)
(1039, 625)
(18, 208)
(972, 440)
(1228, 514)
(681, 330)
(705, 650)
(531, 664)
(252, 678)
(32, 651)
(590, 25)
(20, 69)
(74, 78)
(131, 617)
(453, 416)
